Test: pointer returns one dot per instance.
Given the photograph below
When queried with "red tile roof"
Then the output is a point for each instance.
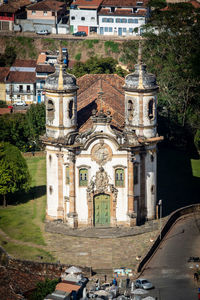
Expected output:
(123, 3)
(45, 68)
(47, 5)
(112, 98)
(4, 71)
(41, 58)
(22, 77)
(5, 110)
(13, 6)
(67, 287)
(24, 63)
(122, 12)
(85, 3)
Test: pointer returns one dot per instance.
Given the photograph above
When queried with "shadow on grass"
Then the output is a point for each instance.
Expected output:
(23, 197)
(177, 187)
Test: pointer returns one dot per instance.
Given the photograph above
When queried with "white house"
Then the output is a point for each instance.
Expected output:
(100, 140)
(124, 19)
(20, 84)
(83, 16)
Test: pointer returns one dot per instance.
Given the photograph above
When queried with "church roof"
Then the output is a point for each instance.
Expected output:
(111, 100)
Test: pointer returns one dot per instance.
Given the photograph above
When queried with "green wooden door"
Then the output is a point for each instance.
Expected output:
(102, 210)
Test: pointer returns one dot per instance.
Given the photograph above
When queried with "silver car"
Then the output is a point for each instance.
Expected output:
(143, 283)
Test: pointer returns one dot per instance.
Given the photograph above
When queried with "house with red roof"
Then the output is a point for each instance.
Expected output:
(20, 84)
(10, 11)
(46, 14)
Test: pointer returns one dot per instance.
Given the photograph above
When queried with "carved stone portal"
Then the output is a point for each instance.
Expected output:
(99, 184)
(101, 153)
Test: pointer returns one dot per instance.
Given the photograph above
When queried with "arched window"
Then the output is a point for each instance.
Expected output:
(119, 177)
(150, 109)
(130, 109)
(67, 175)
(83, 177)
(70, 109)
(50, 110)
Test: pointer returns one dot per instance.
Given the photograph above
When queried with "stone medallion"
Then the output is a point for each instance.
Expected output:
(101, 153)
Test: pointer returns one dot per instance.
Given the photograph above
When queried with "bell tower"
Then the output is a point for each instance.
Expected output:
(61, 102)
(141, 100)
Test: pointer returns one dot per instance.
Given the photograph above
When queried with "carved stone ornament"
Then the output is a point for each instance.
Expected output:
(101, 153)
(100, 184)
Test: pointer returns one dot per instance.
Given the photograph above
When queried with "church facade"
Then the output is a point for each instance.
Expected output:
(100, 141)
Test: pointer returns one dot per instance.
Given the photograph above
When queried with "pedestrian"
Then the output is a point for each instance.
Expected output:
(114, 282)
(196, 276)
(127, 281)
(105, 276)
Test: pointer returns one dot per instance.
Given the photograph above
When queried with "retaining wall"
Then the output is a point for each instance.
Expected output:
(195, 208)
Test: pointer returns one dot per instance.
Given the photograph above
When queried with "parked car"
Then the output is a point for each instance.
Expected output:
(20, 103)
(143, 283)
(80, 33)
(43, 32)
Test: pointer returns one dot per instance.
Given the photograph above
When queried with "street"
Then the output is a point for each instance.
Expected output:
(169, 269)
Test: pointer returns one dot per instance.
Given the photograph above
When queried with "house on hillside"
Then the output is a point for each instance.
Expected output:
(108, 17)
(125, 19)
(84, 16)
(101, 140)
(4, 72)
(10, 12)
(20, 84)
(45, 15)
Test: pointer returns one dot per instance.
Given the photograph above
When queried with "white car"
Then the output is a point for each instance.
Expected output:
(43, 32)
(20, 103)
(143, 283)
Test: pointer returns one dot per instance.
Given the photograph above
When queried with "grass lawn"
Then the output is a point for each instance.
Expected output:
(23, 219)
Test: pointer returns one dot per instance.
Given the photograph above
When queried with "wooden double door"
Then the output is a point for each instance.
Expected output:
(102, 210)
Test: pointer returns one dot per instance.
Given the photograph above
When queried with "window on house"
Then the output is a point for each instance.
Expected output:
(124, 29)
(72, 18)
(110, 20)
(33, 12)
(67, 175)
(21, 88)
(136, 173)
(104, 20)
(83, 177)
(82, 18)
(106, 29)
(110, 29)
(112, 9)
(118, 20)
(45, 13)
(92, 18)
(28, 88)
(123, 20)
(150, 109)
(119, 177)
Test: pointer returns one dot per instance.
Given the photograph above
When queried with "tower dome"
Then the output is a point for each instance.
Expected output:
(60, 79)
(140, 79)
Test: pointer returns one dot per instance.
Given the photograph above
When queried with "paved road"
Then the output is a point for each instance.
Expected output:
(169, 269)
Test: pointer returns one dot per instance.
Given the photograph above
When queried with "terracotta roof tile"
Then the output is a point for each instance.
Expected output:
(41, 58)
(122, 12)
(67, 287)
(45, 68)
(13, 6)
(22, 77)
(85, 3)
(48, 5)
(112, 98)
(4, 71)
(123, 3)
(24, 63)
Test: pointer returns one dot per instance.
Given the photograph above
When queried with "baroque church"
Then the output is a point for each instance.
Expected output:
(101, 137)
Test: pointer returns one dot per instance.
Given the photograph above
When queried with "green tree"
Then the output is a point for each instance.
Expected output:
(14, 174)
(95, 65)
(36, 119)
(8, 58)
(44, 288)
